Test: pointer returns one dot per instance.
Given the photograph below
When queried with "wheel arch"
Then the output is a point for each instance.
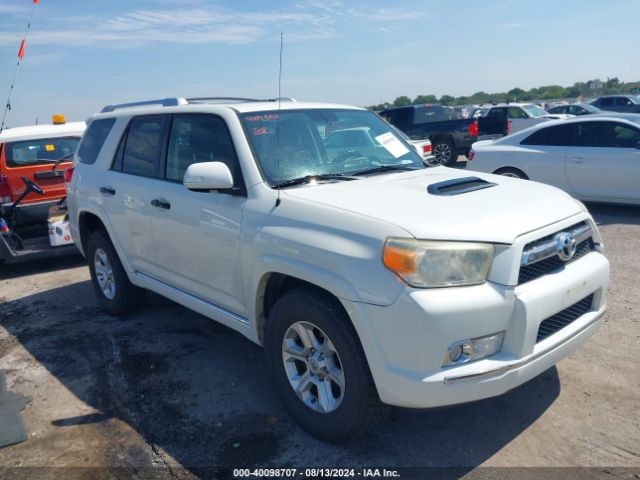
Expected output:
(276, 281)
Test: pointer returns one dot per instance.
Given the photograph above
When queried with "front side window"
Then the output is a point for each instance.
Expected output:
(141, 155)
(199, 138)
(607, 135)
(516, 112)
(558, 136)
(39, 152)
(292, 144)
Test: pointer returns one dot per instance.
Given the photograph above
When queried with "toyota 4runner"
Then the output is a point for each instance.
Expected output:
(368, 278)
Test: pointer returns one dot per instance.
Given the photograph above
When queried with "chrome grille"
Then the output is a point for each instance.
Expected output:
(541, 257)
(561, 319)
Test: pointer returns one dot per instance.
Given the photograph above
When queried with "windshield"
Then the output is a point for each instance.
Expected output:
(534, 110)
(39, 151)
(292, 144)
(635, 99)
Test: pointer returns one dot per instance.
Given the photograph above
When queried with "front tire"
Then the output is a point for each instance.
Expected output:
(116, 293)
(511, 172)
(318, 368)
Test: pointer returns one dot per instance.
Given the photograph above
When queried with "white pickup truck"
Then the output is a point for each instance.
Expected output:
(521, 115)
(368, 278)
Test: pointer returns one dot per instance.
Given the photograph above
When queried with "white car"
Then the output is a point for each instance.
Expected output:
(594, 158)
(521, 115)
(368, 278)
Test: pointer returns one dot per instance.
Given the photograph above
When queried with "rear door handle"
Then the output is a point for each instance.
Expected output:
(159, 203)
(107, 191)
(577, 160)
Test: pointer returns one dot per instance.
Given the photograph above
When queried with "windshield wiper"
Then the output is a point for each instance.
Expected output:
(62, 159)
(385, 168)
(310, 178)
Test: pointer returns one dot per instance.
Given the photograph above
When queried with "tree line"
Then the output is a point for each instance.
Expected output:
(592, 88)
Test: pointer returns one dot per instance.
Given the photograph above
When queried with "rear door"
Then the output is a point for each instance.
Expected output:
(34, 160)
(197, 234)
(125, 190)
(605, 163)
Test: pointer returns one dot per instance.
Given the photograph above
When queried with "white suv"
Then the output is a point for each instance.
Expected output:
(368, 278)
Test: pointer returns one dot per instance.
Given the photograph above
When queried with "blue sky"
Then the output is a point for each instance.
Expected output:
(82, 55)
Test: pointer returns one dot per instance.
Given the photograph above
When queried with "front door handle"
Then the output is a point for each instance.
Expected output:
(107, 191)
(577, 160)
(159, 203)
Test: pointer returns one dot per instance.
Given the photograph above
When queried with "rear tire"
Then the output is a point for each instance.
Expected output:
(116, 293)
(349, 405)
(511, 172)
(444, 150)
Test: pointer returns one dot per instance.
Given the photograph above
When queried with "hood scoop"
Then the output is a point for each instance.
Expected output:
(459, 186)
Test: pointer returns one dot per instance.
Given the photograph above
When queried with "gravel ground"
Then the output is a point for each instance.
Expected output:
(166, 393)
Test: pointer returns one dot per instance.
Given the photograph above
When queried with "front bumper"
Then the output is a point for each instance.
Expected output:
(405, 343)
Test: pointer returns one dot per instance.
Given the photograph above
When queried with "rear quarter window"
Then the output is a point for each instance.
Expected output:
(39, 151)
(93, 139)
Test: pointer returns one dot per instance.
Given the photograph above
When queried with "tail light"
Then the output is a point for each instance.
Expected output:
(471, 155)
(508, 127)
(426, 148)
(5, 189)
(473, 129)
(68, 175)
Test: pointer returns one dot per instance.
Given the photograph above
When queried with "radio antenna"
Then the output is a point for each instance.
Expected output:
(278, 119)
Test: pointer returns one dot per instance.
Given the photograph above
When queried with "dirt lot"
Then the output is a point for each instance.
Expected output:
(169, 389)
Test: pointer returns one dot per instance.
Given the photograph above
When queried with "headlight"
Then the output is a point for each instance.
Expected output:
(426, 264)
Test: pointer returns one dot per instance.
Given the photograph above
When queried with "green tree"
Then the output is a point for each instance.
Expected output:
(446, 99)
(402, 101)
(425, 99)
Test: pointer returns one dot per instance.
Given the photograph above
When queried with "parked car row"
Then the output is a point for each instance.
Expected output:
(593, 157)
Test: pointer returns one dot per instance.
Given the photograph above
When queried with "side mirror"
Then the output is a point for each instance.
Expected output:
(208, 176)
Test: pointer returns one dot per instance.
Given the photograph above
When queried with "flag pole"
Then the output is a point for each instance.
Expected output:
(7, 106)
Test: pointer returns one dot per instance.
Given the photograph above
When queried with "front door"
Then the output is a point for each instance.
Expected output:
(605, 163)
(197, 234)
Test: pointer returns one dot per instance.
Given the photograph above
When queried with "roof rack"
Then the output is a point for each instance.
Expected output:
(172, 102)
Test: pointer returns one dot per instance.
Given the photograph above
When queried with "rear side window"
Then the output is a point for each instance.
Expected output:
(93, 139)
(196, 139)
(559, 136)
(143, 145)
(605, 102)
(39, 152)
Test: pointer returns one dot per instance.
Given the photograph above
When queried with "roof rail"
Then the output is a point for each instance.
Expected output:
(237, 99)
(165, 102)
(172, 102)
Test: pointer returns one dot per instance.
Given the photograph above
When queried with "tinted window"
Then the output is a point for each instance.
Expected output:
(93, 139)
(559, 110)
(605, 102)
(559, 135)
(515, 112)
(607, 135)
(38, 152)
(199, 138)
(623, 101)
(497, 112)
(143, 145)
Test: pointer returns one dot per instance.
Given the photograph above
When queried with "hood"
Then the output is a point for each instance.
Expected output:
(497, 214)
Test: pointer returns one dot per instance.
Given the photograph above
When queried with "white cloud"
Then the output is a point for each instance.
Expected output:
(197, 22)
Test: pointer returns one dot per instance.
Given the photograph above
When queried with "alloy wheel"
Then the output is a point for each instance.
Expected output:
(313, 367)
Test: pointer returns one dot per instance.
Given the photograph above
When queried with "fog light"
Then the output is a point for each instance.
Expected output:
(464, 351)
